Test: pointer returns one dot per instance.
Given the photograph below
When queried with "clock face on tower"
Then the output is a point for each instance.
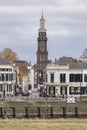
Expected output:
(42, 46)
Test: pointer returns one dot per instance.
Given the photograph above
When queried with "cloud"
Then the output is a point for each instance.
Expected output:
(45, 2)
(26, 2)
(66, 24)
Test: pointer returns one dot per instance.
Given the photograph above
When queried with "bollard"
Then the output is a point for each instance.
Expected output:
(76, 111)
(26, 111)
(14, 112)
(64, 112)
(51, 112)
(39, 112)
(1, 112)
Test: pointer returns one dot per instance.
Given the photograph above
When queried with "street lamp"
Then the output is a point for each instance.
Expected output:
(4, 91)
(80, 85)
(40, 80)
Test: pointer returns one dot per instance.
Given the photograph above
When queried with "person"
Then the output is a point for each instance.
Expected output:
(63, 96)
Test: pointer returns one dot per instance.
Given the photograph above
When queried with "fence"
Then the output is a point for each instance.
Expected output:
(42, 112)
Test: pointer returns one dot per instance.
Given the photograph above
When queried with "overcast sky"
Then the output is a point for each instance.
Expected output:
(65, 21)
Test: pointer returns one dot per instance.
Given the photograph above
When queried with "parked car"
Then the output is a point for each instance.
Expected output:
(25, 93)
(43, 94)
(30, 92)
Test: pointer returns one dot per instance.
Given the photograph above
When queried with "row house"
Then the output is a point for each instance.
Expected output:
(66, 76)
(8, 78)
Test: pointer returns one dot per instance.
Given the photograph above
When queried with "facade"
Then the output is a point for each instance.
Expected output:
(28, 80)
(66, 76)
(8, 78)
(26, 75)
(42, 53)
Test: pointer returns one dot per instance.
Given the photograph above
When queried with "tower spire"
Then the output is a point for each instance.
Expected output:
(42, 23)
(42, 13)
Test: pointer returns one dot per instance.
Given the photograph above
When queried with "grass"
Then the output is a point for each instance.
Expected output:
(43, 124)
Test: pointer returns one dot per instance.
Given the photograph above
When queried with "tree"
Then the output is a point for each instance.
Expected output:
(9, 54)
(84, 55)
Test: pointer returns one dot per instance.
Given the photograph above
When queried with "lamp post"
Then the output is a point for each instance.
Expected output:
(80, 90)
(40, 80)
(80, 85)
(3, 91)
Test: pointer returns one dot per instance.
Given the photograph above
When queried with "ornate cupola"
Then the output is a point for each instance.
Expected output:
(42, 24)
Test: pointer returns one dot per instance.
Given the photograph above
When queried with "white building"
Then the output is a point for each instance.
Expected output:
(28, 79)
(8, 78)
(26, 75)
(66, 76)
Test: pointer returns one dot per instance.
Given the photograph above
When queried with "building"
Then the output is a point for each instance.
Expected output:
(42, 53)
(66, 76)
(8, 78)
(26, 75)
(28, 80)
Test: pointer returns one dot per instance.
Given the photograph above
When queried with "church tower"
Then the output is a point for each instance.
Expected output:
(42, 53)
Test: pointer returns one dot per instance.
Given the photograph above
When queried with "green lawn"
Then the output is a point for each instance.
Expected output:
(43, 124)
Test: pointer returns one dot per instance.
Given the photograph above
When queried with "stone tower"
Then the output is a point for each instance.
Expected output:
(42, 53)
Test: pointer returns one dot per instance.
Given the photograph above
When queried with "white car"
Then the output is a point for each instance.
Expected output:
(30, 92)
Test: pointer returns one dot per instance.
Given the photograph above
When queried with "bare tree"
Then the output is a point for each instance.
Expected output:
(84, 55)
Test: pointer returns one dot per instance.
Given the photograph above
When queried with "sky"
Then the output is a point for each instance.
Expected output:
(65, 21)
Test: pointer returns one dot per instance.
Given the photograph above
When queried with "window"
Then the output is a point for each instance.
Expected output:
(52, 78)
(41, 58)
(8, 69)
(1, 88)
(80, 90)
(63, 90)
(3, 69)
(0, 77)
(62, 78)
(85, 77)
(75, 90)
(46, 78)
(75, 77)
(78, 78)
(6, 77)
(10, 77)
(71, 90)
(52, 90)
(83, 90)
(72, 77)
(9, 88)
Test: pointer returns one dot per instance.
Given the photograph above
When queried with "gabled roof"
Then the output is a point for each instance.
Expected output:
(73, 63)
(66, 60)
(4, 61)
(23, 62)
